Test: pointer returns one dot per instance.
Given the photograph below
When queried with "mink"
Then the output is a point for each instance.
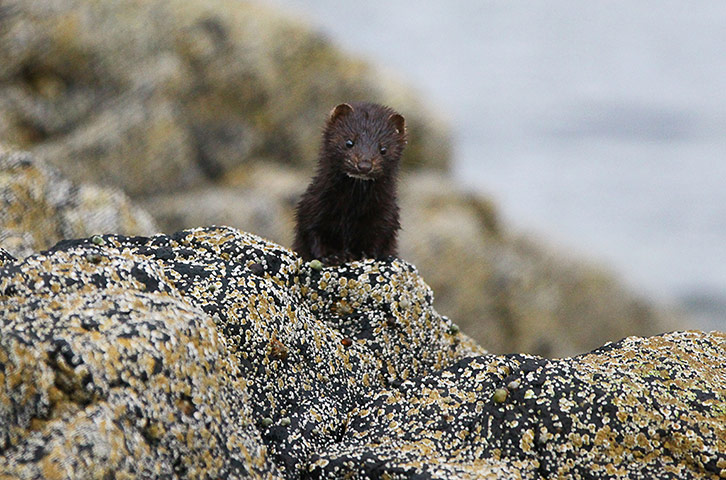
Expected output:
(350, 209)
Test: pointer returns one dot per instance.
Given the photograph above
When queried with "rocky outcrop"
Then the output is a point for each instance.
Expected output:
(212, 353)
(509, 292)
(162, 95)
(186, 354)
(206, 112)
(637, 409)
(39, 207)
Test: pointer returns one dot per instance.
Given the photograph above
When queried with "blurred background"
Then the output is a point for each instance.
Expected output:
(598, 125)
(563, 184)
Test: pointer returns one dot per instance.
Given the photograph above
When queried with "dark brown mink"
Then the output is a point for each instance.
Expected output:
(350, 209)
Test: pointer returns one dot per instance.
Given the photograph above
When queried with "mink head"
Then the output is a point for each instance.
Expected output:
(364, 140)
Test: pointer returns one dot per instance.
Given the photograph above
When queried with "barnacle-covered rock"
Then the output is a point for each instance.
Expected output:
(106, 371)
(39, 206)
(212, 353)
(637, 409)
(207, 353)
(6, 257)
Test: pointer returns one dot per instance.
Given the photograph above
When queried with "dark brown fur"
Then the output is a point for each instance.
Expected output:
(350, 209)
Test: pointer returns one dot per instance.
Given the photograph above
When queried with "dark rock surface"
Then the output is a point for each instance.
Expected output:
(212, 353)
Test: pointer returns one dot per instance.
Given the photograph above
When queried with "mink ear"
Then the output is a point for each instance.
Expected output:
(399, 122)
(340, 111)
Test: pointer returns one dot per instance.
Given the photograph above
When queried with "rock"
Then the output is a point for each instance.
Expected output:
(113, 373)
(641, 408)
(114, 336)
(6, 257)
(510, 293)
(261, 199)
(206, 113)
(158, 95)
(212, 353)
(39, 207)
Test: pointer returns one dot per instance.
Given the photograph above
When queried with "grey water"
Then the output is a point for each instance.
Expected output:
(599, 125)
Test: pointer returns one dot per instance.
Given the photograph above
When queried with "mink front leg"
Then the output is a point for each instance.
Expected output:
(317, 248)
(388, 247)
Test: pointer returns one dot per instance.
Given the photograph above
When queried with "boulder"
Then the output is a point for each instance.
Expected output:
(515, 292)
(160, 95)
(39, 206)
(212, 353)
(508, 291)
(258, 199)
(641, 408)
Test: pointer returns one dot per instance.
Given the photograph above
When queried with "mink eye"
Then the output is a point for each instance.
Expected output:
(383, 150)
(349, 143)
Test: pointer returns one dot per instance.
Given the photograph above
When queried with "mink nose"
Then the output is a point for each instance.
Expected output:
(364, 166)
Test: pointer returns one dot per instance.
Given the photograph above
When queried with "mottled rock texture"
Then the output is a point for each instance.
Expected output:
(205, 354)
(210, 112)
(39, 206)
(158, 95)
(212, 353)
(641, 408)
(509, 292)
